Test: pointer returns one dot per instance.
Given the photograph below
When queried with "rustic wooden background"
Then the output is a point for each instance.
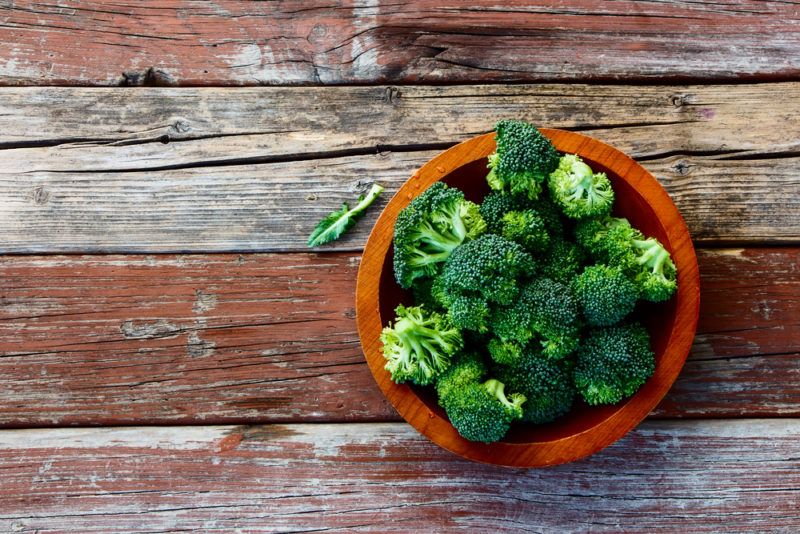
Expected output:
(172, 357)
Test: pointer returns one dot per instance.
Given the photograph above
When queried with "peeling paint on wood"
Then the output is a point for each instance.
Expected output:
(228, 42)
(269, 338)
(741, 475)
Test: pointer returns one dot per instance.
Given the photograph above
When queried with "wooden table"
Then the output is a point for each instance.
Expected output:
(172, 356)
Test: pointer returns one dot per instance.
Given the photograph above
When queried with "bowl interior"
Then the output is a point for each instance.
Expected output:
(658, 319)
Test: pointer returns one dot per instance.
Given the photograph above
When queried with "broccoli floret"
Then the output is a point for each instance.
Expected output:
(506, 352)
(420, 345)
(656, 275)
(427, 293)
(578, 191)
(523, 160)
(613, 363)
(482, 411)
(482, 273)
(429, 229)
(562, 261)
(551, 214)
(646, 262)
(494, 207)
(468, 368)
(527, 228)
(546, 384)
(545, 309)
(605, 294)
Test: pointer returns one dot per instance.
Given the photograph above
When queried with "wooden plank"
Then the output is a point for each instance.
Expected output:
(258, 167)
(298, 42)
(88, 340)
(707, 476)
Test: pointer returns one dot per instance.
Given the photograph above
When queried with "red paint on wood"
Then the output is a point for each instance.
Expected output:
(229, 42)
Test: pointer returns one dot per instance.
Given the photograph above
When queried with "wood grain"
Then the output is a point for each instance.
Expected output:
(92, 340)
(255, 173)
(228, 42)
(704, 476)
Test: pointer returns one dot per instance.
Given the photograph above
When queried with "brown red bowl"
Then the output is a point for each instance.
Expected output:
(586, 429)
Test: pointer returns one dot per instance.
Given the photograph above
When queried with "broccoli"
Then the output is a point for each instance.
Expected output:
(526, 228)
(482, 411)
(578, 191)
(546, 384)
(334, 225)
(523, 160)
(605, 294)
(429, 229)
(427, 293)
(562, 261)
(656, 275)
(420, 344)
(508, 352)
(466, 369)
(494, 207)
(546, 309)
(646, 262)
(551, 214)
(482, 273)
(613, 362)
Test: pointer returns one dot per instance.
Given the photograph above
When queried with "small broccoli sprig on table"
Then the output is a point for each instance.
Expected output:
(613, 362)
(419, 346)
(430, 228)
(523, 160)
(337, 223)
(578, 191)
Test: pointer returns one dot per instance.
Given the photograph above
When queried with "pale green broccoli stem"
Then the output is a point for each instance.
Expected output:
(585, 184)
(655, 256)
(363, 203)
(492, 179)
(497, 388)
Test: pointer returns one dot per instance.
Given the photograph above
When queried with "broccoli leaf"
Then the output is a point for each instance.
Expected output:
(337, 223)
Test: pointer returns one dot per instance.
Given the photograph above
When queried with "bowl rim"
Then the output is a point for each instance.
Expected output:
(608, 430)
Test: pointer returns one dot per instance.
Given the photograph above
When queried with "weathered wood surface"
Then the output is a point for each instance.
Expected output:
(92, 340)
(705, 476)
(256, 168)
(231, 42)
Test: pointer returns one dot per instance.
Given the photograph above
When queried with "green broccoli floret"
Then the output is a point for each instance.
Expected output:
(656, 275)
(419, 346)
(551, 214)
(605, 294)
(546, 384)
(545, 309)
(427, 293)
(613, 363)
(508, 352)
(523, 160)
(482, 411)
(527, 228)
(495, 206)
(482, 273)
(562, 261)
(578, 191)
(429, 229)
(645, 261)
(467, 368)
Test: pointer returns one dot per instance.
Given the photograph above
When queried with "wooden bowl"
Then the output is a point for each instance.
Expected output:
(585, 430)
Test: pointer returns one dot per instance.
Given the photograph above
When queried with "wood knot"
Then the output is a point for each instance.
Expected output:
(40, 195)
(678, 100)
(391, 95)
(682, 167)
(181, 126)
(152, 77)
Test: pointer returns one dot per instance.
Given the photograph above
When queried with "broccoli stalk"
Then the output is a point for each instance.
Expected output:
(419, 346)
(656, 276)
